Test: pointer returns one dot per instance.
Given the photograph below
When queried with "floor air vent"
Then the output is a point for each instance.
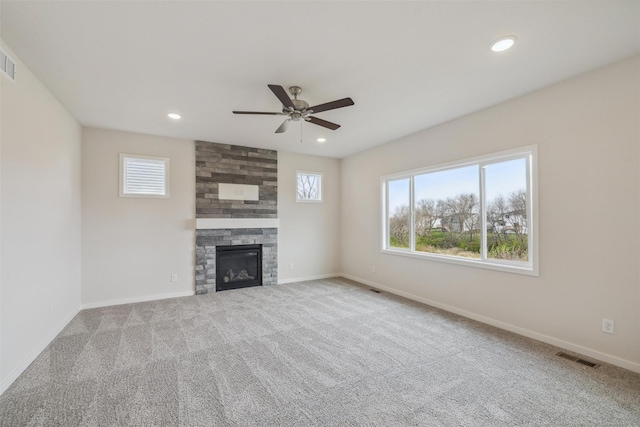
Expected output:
(7, 66)
(375, 290)
(577, 360)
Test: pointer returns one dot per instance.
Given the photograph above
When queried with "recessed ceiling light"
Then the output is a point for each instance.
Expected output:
(503, 43)
(321, 139)
(174, 116)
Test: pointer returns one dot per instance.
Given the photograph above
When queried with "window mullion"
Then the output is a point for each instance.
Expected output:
(482, 213)
(412, 216)
(529, 210)
(387, 236)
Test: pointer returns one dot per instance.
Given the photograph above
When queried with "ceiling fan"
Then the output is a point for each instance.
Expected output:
(297, 109)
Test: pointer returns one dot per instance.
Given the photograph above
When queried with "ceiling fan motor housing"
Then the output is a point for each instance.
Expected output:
(298, 104)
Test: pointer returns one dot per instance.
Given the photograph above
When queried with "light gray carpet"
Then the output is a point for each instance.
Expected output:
(320, 353)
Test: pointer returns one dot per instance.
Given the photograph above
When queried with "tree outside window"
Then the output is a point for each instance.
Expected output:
(309, 187)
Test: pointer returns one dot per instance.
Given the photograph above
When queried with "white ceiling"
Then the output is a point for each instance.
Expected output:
(408, 65)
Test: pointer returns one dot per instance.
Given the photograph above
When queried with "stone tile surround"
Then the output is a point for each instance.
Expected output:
(207, 240)
(233, 164)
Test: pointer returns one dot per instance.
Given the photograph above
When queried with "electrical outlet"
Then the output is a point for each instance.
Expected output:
(373, 268)
(290, 266)
(174, 277)
(607, 326)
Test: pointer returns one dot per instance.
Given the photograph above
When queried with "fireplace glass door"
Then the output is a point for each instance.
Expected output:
(238, 266)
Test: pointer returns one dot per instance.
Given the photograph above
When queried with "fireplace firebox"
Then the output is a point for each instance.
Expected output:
(238, 266)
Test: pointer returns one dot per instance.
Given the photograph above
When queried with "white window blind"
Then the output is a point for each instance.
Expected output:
(143, 176)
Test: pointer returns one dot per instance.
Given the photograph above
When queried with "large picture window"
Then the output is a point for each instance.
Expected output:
(478, 211)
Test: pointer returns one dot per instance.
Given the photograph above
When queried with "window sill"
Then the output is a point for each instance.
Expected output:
(469, 262)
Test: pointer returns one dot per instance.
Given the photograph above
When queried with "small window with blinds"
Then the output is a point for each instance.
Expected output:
(144, 176)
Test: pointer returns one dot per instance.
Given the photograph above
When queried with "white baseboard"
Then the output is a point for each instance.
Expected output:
(604, 357)
(304, 279)
(137, 299)
(6, 382)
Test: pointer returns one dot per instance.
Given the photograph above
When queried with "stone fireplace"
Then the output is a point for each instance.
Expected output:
(208, 240)
(236, 206)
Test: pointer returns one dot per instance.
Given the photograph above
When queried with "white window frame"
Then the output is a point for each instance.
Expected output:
(320, 187)
(528, 268)
(123, 170)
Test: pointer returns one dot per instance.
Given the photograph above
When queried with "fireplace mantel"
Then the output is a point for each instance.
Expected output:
(227, 223)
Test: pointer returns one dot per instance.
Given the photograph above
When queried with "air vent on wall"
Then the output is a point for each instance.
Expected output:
(7, 66)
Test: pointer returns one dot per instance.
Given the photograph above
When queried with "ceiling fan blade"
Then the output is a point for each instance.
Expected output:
(323, 123)
(283, 127)
(257, 112)
(344, 102)
(281, 94)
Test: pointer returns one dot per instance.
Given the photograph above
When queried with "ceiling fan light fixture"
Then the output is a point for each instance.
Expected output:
(321, 139)
(174, 116)
(503, 43)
